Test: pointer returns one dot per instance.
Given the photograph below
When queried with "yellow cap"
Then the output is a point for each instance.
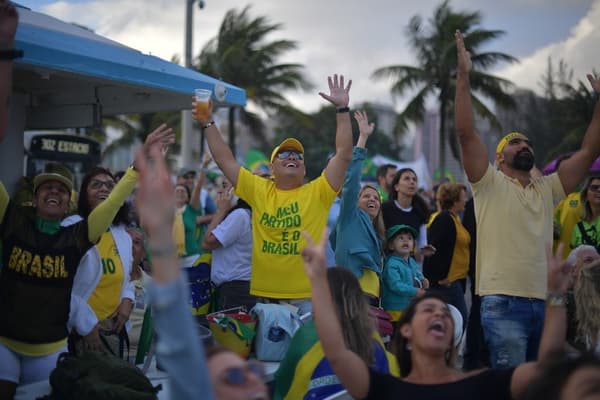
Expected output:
(507, 139)
(289, 143)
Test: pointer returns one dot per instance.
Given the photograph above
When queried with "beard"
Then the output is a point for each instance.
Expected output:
(523, 161)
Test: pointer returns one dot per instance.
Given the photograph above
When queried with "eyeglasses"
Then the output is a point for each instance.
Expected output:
(282, 155)
(594, 188)
(238, 376)
(97, 184)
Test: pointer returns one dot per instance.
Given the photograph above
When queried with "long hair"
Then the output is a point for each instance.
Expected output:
(588, 215)
(417, 201)
(352, 311)
(587, 303)
(378, 220)
(402, 348)
(83, 205)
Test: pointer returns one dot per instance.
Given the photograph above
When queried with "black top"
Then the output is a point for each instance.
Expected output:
(441, 235)
(490, 384)
(392, 215)
(37, 277)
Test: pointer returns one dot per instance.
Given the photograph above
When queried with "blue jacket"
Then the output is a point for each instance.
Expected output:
(399, 282)
(357, 244)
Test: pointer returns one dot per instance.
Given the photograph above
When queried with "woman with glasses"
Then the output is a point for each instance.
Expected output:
(113, 294)
(587, 231)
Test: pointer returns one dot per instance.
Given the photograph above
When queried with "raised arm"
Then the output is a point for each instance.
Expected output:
(195, 199)
(102, 216)
(210, 241)
(475, 160)
(554, 334)
(8, 26)
(574, 169)
(348, 366)
(339, 97)
(218, 148)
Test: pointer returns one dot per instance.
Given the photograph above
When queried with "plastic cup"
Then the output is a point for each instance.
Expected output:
(202, 99)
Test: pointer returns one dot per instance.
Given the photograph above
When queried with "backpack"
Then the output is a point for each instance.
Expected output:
(96, 376)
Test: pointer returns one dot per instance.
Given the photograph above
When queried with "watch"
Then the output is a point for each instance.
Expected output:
(10, 54)
(556, 300)
(343, 110)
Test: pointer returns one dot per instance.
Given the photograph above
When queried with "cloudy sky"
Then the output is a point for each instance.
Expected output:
(350, 36)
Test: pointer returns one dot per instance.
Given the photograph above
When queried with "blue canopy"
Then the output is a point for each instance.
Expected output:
(68, 69)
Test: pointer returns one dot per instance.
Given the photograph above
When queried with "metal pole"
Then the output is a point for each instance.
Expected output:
(187, 134)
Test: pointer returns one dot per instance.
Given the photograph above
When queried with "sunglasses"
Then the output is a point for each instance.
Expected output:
(97, 184)
(238, 376)
(594, 188)
(286, 153)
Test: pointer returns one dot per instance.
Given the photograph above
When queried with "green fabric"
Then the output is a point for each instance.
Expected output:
(593, 232)
(47, 226)
(189, 223)
(299, 346)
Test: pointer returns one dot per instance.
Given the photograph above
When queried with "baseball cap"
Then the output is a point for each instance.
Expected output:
(289, 143)
(186, 170)
(54, 172)
(394, 230)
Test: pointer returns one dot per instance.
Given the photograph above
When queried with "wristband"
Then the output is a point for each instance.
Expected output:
(10, 54)
(556, 300)
(209, 124)
(341, 110)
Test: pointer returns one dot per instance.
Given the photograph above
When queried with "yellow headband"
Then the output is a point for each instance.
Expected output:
(505, 140)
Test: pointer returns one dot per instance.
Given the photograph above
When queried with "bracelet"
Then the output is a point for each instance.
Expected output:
(556, 300)
(10, 54)
(132, 166)
(341, 110)
(209, 124)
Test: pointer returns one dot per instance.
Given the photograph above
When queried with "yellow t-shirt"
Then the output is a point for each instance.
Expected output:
(106, 297)
(566, 215)
(514, 223)
(278, 219)
(370, 283)
(459, 268)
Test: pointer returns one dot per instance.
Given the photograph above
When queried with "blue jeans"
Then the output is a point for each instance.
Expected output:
(454, 295)
(512, 327)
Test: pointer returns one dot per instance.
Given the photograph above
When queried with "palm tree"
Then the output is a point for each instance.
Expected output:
(436, 71)
(241, 55)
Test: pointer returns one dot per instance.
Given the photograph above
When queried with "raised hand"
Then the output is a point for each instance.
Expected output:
(155, 198)
(338, 94)
(595, 82)
(9, 19)
(224, 200)
(364, 127)
(464, 63)
(315, 263)
(163, 137)
(203, 119)
(559, 271)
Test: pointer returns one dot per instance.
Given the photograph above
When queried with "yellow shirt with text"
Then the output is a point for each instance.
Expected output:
(278, 219)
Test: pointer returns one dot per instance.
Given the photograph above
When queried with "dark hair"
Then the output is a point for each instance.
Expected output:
(83, 205)
(418, 204)
(383, 170)
(240, 204)
(555, 373)
(588, 214)
(400, 343)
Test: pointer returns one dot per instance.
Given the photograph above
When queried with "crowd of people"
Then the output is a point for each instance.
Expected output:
(79, 277)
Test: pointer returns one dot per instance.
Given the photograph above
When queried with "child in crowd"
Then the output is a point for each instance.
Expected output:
(402, 277)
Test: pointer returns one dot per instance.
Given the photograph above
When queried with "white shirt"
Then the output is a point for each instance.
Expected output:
(231, 261)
